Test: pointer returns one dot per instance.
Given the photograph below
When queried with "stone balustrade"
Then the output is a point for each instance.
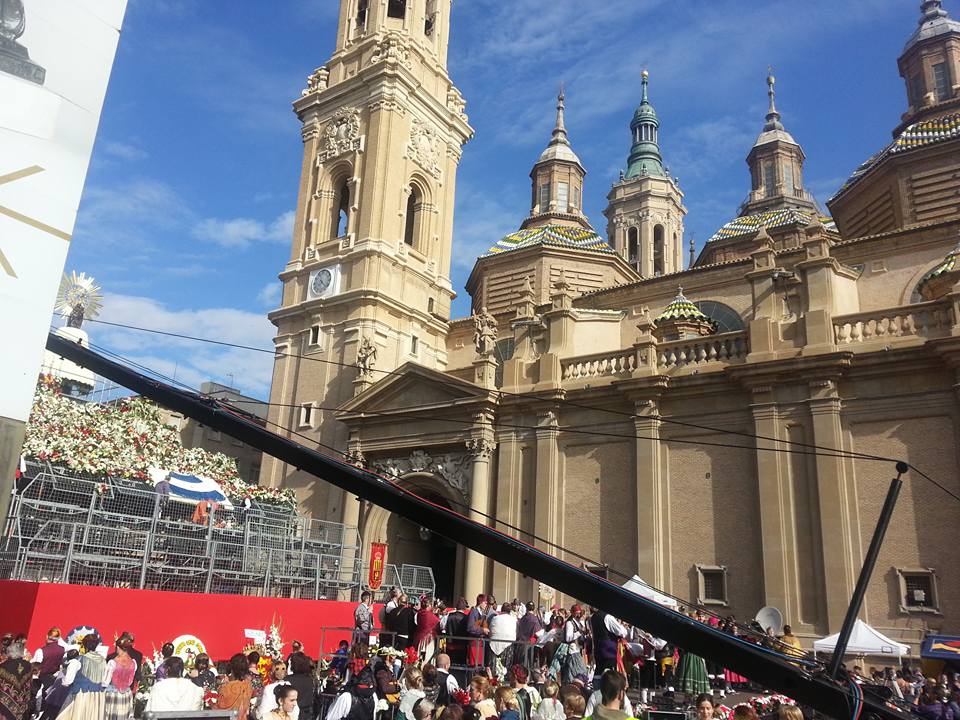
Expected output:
(726, 348)
(923, 320)
(608, 364)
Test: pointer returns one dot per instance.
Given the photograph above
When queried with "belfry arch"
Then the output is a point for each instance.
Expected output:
(408, 544)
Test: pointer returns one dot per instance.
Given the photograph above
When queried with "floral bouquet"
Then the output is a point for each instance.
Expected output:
(210, 698)
(461, 697)
(274, 643)
(412, 656)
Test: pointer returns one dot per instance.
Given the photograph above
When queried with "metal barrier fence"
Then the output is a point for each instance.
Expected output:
(66, 527)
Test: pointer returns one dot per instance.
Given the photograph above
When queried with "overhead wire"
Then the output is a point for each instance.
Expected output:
(343, 457)
(834, 452)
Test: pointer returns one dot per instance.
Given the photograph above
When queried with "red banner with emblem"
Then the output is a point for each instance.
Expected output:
(378, 564)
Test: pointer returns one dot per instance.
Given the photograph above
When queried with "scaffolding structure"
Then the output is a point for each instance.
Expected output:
(67, 527)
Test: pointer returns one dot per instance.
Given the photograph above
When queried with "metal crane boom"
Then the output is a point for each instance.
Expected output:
(759, 664)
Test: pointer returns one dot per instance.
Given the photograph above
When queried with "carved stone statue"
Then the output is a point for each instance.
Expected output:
(366, 357)
(318, 81)
(485, 333)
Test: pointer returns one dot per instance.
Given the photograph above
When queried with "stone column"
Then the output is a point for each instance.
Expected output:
(773, 499)
(481, 448)
(549, 490)
(509, 504)
(652, 497)
(764, 333)
(350, 517)
(837, 526)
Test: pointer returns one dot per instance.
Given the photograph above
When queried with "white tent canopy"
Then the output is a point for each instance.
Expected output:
(864, 640)
(639, 587)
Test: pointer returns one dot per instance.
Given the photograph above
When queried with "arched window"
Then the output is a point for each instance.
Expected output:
(430, 18)
(341, 212)
(411, 224)
(726, 318)
(633, 246)
(397, 9)
(658, 250)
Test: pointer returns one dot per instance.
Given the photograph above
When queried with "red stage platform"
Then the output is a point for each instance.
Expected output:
(155, 617)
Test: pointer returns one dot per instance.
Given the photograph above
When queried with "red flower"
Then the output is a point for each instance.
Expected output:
(413, 655)
(461, 696)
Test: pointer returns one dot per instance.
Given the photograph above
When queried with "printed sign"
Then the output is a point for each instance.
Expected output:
(55, 61)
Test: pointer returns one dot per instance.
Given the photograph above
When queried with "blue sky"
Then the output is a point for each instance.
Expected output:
(187, 213)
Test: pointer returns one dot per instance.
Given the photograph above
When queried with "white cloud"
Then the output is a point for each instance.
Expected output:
(269, 295)
(241, 232)
(191, 361)
(121, 150)
(129, 214)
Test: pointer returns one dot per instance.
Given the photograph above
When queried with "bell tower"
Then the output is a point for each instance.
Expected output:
(367, 287)
(645, 210)
(776, 166)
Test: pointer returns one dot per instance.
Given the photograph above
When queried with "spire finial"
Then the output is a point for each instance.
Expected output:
(771, 91)
(560, 129)
(693, 251)
(645, 81)
(773, 115)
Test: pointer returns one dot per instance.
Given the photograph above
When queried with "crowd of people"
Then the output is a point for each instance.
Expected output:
(555, 643)
(416, 660)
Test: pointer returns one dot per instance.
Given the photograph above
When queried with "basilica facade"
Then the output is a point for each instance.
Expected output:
(649, 413)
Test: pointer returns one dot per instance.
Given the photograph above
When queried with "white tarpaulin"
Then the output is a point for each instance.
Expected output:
(55, 61)
(864, 640)
(639, 587)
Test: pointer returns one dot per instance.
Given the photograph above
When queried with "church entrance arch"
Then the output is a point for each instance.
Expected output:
(410, 544)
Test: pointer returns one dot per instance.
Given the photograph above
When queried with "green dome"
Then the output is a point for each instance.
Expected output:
(682, 309)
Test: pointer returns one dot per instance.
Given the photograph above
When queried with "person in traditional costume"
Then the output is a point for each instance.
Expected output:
(692, 677)
(567, 663)
(56, 695)
(236, 692)
(731, 678)
(358, 701)
(49, 658)
(503, 636)
(16, 682)
(427, 629)
(607, 632)
(477, 628)
(121, 675)
(85, 677)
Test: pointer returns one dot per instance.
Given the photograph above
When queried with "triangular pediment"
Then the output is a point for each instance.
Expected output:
(414, 386)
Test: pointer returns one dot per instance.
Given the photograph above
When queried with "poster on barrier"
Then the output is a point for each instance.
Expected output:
(55, 62)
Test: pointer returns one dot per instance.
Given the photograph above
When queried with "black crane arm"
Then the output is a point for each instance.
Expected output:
(759, 664)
